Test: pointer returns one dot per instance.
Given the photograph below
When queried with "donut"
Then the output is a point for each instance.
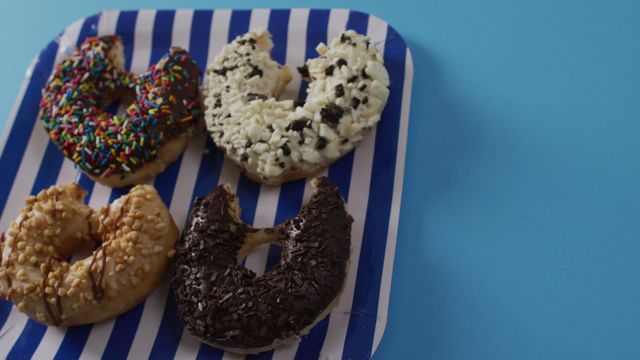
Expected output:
(227, 305)
(119, 150)
(137, 237)
(276, 141)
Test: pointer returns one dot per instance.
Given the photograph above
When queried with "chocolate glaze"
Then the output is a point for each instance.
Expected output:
(225, 304)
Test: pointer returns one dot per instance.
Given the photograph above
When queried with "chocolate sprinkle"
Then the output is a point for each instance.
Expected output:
(304, 71)
(322, 143)
(329, 70)
(355, 102)
(228, 305)
(255, 96)
(352, 79)
(285, 149)
(341, 62)
(255, 71)
(298, 125)
(331, 114)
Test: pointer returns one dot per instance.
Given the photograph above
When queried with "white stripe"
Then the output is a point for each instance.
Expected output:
(182, 28)
(219, 33)
(101, 332)
(189, 345)
(22, 185)
(149, 324)
(268, 198)
(108, 22)
(259, 19)
(16, 105)
(337, 22)
(296, 47)
(358, 201)
(390, 250)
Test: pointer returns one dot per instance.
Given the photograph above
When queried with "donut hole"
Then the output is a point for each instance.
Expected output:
(255, 258)
(118, 102)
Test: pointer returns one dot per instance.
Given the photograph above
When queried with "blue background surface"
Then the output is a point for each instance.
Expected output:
(519, 234)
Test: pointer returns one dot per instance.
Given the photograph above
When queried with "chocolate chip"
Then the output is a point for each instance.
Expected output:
(355, 102)
(339, 90)
(352, 79)
(255, 96)
(329, 70)
(281, 164)
(217, 104)
(270, 127)
(298, 103)
(344, 38)
(364, 74)
(331, 114)
(365, 100)
(304, 71)
(285, 149)
(298, 125)
(244, 157)
(363, 87)
(248, 144)
(322, 143)
(255, 71)
(341, 62)
(223, 70)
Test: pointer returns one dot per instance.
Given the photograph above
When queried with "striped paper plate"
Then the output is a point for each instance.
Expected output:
(370, 178)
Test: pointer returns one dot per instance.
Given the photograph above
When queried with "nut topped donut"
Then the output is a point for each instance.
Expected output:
(137, 236)
(229, 306)
(127, 149)
(275, 141)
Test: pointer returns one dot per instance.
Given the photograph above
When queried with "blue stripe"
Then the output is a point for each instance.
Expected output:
(363, 318)
(162, 26)
(248, 190)
(28, 341)
(33, 332)
(126, 29)
(311, 344)
(76, 337)
(340, 174)
(126, 325)
(86, 183)
(5, 309)
(199, 38)
(167, 340)
(74, 340)
(25, 120)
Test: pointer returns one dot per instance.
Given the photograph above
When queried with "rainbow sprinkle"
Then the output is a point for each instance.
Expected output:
(72, 108)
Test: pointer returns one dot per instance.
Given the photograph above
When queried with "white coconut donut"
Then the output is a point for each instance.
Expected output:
(275, 141)
(137, 236)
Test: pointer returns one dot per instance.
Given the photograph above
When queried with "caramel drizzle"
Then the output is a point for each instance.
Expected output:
(57, 320)
(96, 285)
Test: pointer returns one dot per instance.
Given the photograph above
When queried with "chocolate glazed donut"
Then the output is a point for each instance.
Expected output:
(229, 306)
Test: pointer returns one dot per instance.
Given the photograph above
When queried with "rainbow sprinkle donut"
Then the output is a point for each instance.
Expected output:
(119, 150)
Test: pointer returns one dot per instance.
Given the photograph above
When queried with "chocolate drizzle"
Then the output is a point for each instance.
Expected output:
(226, 304)
(56, 319)
(96, 284)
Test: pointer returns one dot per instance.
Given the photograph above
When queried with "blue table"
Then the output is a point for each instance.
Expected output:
(518, 235)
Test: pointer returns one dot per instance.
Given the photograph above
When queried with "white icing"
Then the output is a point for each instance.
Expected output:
(257, 130)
